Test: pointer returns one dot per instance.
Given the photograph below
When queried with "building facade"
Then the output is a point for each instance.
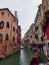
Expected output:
(9, 30)
(45, 24)
(40, 36)
(35, 31)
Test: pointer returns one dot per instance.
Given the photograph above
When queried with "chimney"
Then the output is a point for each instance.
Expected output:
(16, 14)
(40, 6)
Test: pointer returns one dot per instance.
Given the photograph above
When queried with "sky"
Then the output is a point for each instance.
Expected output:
(26, 11)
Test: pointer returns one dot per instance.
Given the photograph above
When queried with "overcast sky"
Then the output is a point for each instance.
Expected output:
(26, 10)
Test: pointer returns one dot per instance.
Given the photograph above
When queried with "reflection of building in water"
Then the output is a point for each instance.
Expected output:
(10, 33)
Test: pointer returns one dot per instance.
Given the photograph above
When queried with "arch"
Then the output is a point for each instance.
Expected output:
(1, 24)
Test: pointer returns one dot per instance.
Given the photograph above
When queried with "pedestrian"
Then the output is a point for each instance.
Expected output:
(35, 59)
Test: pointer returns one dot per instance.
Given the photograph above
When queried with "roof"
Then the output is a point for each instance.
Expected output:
(10, 12)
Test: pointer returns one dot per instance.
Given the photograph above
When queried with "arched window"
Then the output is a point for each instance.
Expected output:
(1, 24)
(1, 37)
(7, 25)
(14, 39)
(14, 29)
(14, 20)
(2, 13)
(6, 37)
(5, 47)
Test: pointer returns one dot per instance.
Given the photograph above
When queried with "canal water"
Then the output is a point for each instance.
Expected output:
(22, 58)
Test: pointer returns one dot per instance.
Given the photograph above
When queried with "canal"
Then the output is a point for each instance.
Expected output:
(22, 58)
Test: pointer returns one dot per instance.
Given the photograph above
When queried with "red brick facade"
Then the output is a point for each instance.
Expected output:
(10, 33)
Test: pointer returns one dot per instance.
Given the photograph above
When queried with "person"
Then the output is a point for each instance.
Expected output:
(35, 59)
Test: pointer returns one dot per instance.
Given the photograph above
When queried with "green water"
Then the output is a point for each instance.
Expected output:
(22, 58)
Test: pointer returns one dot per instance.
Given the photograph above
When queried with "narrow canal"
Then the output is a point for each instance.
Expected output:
(22, 58)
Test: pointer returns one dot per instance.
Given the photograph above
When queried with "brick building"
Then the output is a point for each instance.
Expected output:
(9, 30)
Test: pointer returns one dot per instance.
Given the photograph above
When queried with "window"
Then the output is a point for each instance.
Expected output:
(1, 37)
(16, 30)
(13, 28)
(1, 24)
(15, 44)
(36, 28)
(5, 47)
(2, 13)
(14, 39)
(41, 38)
(44, 7)
(7, 25)
(14, 20)
(6, 37)
(48, 44)
(31, 36)
(36, 36)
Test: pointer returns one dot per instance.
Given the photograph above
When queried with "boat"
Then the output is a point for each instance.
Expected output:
(22, 47)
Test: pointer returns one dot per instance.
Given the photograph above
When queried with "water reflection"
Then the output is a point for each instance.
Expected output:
(25, 57)
(22, 58)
